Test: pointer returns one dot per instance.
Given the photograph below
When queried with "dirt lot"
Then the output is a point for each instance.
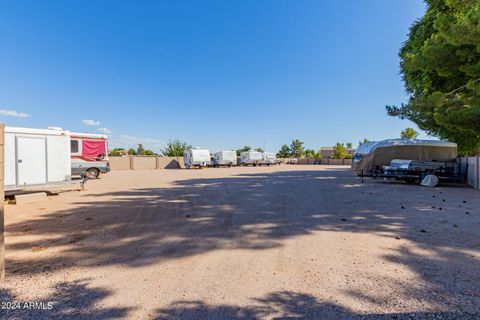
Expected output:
(246, 243)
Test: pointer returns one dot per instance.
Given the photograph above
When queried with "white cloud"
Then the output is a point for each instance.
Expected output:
(105, 130)
(126, 141)
(13, 113)
(91, 123)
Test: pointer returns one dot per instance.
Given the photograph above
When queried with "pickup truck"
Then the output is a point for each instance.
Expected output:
(91, 169)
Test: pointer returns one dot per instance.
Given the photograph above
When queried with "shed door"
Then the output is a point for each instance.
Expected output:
(31, 161)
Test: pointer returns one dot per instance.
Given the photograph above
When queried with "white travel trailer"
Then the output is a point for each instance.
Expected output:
(269, 158)
(36, 158)
(225, 158)
(251, 158)
(196, 157)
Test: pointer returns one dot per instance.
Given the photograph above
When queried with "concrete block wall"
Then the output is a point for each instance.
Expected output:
(170, 163)
(145, 163)
(2, 216)
(120, 163)
(473, 174)
(324, 161)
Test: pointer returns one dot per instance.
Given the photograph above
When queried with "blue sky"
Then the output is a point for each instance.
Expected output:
(216, 74)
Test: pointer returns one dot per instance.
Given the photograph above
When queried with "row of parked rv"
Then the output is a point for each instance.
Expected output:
(196, 157)
(47, 157)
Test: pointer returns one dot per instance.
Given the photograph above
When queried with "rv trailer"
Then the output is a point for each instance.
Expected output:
(269, 158)
(253, 158)
(373, 155)
(89, 153)
(225, 158)
(196, 157)
(36, 158)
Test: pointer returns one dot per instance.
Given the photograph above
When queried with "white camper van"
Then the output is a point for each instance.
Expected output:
(225, 158)
(36, 158)
(196, 157)
(269, 158)
(251, 158)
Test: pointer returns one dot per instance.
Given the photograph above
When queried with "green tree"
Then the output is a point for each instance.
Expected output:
(440, 65)
(296, 148)
(244, 149)
(365, 140)
(349, 145)
(175, 148)
(409, 133)
(310, 153)
(318, 154)
(140, 150)
(150, 153)
(339, 151)
(132, 152)
(284, 152)
(116, 152)
(260, 150)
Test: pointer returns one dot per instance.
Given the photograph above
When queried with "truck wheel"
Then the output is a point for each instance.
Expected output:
(92, 173)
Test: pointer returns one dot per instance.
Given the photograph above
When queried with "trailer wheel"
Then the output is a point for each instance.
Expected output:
(92, 173)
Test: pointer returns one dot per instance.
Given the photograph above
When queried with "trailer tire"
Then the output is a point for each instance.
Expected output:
(92, 173)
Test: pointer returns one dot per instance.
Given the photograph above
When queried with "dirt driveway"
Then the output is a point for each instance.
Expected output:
(246, 243)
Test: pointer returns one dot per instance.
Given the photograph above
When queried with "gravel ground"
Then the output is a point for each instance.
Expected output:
(308, 242)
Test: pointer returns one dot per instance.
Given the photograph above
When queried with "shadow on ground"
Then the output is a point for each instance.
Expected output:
(68, 301)
(288, 305)
(258, 211)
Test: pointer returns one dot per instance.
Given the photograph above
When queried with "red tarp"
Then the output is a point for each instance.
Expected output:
(93, 149)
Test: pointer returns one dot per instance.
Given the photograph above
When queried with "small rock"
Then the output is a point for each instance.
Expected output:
(467, 212)
(398, 238)
(464, 201)
(443, 200)
(403, 207)
(434, 196)
(187, 216)
(433, 207)
(88, 218)
(455, 226)
(439, 208)
(423, 230)
(343, 219)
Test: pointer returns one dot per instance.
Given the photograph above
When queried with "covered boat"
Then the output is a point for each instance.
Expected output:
(376, 154)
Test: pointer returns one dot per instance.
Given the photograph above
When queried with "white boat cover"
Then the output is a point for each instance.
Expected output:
(380, 153)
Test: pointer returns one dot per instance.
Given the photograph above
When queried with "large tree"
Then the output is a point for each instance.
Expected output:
(284, 152)
(310, 153)
(296, 148)
(175, 148)
(340, 151)
(440, 65)
(244, 149)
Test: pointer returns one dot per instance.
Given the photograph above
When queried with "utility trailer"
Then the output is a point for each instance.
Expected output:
(253, 158)
(196, 157)
(225, 158)
(427, 173)
(36, 158)
(269, 158)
